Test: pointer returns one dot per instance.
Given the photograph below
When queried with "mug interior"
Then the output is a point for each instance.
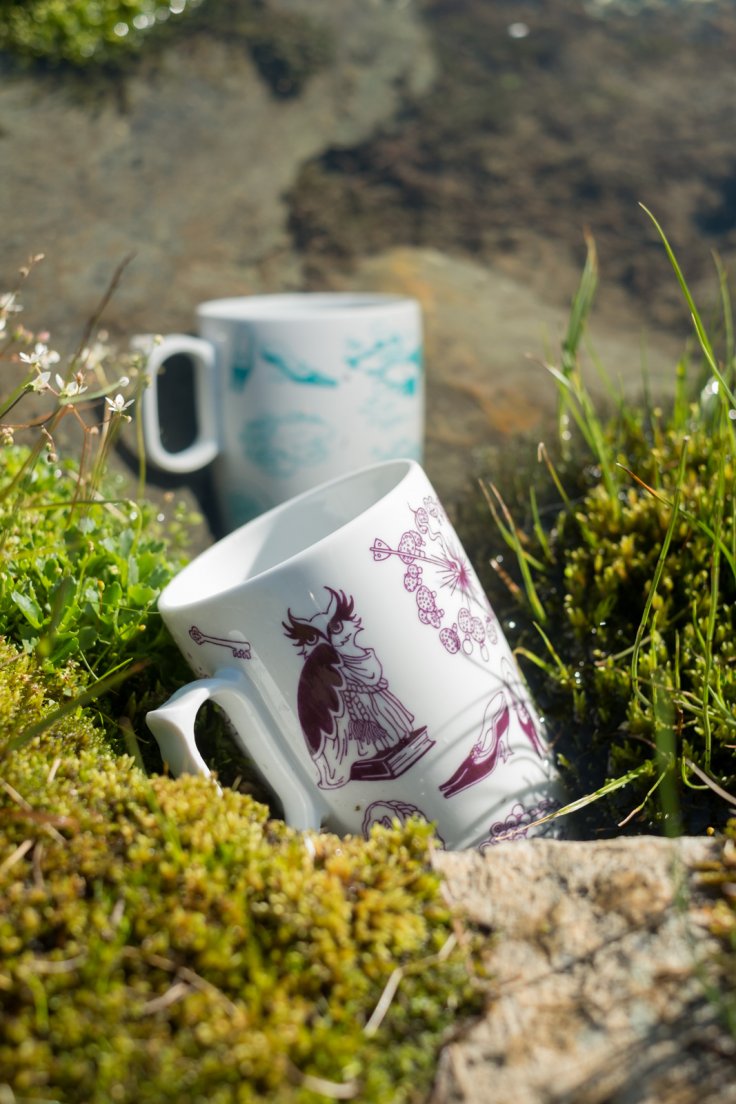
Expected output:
(297, 305)
(283, 533)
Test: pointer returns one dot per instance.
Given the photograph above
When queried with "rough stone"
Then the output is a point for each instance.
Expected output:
(487, 339)
(189, 172)
(599, 959)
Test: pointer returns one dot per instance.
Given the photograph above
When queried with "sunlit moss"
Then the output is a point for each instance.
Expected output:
(162, 940)
(81, 31)
(288, 48)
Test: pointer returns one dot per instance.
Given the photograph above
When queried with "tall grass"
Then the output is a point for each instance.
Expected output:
(629, 587)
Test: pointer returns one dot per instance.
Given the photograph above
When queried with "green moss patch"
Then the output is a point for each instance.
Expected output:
(287, 48)
(77, 32)
(162, 940)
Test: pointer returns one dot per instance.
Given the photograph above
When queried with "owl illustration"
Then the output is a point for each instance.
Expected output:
(353, 725)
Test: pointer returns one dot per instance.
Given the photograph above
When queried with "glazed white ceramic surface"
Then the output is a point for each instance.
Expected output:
(349, 641)
(293, 390)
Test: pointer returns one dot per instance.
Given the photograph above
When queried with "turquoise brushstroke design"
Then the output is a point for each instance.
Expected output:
(389, 361)
(297, 371)
(242, 363)
(239, 375)
(281, 445)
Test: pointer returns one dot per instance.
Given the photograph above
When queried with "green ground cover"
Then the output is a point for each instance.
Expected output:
(161, 936)
(161, 939)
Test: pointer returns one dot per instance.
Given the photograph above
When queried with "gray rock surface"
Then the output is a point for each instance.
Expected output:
(487, 339)
(599, 958)
(189, 171)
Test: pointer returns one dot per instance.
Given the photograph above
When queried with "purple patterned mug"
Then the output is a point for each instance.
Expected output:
(347, 638)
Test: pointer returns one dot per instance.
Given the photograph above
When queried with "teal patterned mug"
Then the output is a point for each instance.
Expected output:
(292, 390)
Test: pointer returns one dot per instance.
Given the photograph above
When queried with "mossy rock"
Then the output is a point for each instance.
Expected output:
(288, 48)
(164, 939)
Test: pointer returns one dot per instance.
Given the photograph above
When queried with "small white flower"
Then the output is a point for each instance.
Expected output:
(8, 304)
(118, 404)
(41, 382)
(41, 357)
(69, 390)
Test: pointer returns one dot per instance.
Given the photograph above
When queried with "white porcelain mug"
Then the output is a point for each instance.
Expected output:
(293, 390)
(348, 640)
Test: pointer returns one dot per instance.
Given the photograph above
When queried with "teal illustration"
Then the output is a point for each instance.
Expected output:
(295, 370)
(242, 360)
(391, 360)
(239, 373)
(281, 445)
(387, 410)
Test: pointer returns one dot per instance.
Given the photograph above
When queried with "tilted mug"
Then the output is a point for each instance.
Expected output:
(292, 390)
(349, 641)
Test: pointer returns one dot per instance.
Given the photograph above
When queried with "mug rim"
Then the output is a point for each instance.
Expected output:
(406, 467)
(301, 306)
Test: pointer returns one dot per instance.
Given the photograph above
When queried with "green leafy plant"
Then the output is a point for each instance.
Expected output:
(81, 564)
(625, 591)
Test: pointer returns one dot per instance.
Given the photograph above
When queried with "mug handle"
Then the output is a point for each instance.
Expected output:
(205, 448)
(173, 726)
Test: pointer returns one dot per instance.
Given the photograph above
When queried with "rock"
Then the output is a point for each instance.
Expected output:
(189, 171)
(487, 336)
(599, 959)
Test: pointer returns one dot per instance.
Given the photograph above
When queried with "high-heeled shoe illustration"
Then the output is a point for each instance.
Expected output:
(487, 749)
(526, 721)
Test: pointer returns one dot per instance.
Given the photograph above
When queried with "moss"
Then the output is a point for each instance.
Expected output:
(28, 694)
(595, 573)
(80, 32)
(161, 940)
(287, 48)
